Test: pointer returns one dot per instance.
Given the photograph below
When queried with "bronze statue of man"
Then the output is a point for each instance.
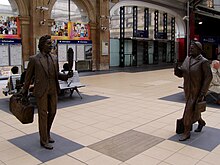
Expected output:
(197, 76)
(45, 70)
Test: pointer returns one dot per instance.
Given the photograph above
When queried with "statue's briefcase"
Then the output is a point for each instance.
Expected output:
(180, 126)
(22, 109)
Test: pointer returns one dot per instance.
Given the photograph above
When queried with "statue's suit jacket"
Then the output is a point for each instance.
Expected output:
(38, 68)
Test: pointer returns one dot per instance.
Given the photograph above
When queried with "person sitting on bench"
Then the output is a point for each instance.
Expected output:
(13, 79)
(215, 83)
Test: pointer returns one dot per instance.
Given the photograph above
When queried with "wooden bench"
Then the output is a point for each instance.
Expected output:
(71, 84)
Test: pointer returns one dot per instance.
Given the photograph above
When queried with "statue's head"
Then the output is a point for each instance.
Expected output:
(45, 44)
(195, 48)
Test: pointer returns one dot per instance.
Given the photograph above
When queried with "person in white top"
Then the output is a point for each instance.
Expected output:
(215, 83)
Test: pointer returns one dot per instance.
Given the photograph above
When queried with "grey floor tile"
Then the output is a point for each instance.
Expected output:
(179, 97)
(208, 139)
(31, 144)
(126, 145)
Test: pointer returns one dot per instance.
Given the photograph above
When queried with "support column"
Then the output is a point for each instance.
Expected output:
(95, 59)
(134, 41)
(156, 29)
(172, 39)
(102, 41)
(146, 35)
(122, 35)
(25, 32)
(38, 23)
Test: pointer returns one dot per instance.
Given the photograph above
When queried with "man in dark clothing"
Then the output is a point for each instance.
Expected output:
(197, 76)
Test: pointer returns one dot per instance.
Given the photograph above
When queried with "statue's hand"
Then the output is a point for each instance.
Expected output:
(24, 93)
(201, 97)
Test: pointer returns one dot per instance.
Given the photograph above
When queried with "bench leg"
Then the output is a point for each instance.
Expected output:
(71, 92)
(78, 93)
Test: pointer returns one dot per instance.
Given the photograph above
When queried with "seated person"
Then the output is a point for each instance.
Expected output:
(66, 71)
(65, 68)
(13, 84)
(215, 84)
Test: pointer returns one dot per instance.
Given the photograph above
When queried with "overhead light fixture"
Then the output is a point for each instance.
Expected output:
(200, 23)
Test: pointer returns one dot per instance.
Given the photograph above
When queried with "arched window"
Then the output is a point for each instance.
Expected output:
(8, 8)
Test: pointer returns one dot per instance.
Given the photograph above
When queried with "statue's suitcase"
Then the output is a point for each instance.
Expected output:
(21, 108)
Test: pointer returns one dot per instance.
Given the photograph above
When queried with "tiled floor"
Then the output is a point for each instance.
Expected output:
(100, 129)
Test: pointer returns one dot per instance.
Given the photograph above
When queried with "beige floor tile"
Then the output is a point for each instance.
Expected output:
(103, 159)
(87, 140)
(163, 163)
(158, 153)
(146, 129)
(157, 124)
(85, 154)
(75, 125)
(142, 160)
(88, 130)
(202, 163)
(6, 129)
(170, 145)
(5, 145)
(163, 133)
(102, 134)
(64, 160)
(216, 150)
(193, 152)
(1, 139)
(212, 159)
(72, 135)
(117, 129)
(102, 125)
(24, 160)
(60, 129)
(181, 160)
(129, 125)
(12, 134)
(11, 153)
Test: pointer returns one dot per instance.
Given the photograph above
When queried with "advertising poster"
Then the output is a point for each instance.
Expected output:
(70, 31)
(80, 31)
(9, 27)
(61, 30)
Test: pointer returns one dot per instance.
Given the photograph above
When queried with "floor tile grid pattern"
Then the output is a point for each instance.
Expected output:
(132, 103)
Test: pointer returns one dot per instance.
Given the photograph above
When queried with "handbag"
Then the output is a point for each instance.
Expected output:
(21, 108)
(200, 106)
(180, 126)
